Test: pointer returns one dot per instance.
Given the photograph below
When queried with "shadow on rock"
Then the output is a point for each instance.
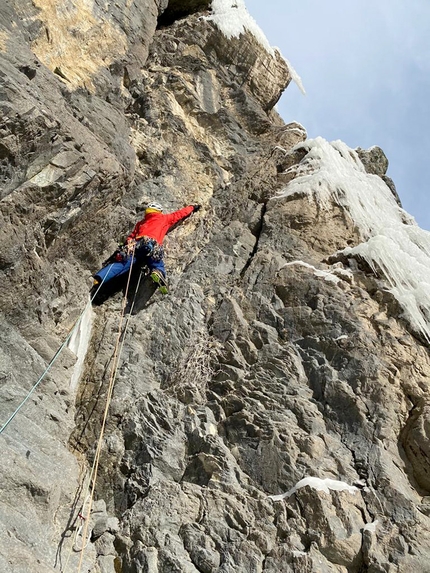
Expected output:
(141, 289)
(139, 292)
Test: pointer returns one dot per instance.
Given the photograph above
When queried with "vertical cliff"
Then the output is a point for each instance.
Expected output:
(270, 413)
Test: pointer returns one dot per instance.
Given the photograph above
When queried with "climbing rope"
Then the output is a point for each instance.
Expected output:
(114, 369)
(79, 529)
(130, 312)
(82, 514)
(54, 359)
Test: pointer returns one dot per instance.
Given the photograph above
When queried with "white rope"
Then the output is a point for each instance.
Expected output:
(115, 362)
(54, 359)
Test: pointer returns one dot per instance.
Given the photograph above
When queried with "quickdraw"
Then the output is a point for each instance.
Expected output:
(78, 547)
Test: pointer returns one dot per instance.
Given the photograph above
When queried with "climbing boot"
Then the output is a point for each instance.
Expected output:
(158, 278)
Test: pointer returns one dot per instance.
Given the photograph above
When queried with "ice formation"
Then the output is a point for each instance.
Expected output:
(342, 337)
(233, 19)
(78, 344)
(318, 484)
(371, 526)
(392, 242)
(294, 75)
(299, 553)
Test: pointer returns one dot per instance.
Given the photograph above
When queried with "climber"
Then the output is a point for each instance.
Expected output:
(143, 246)
(147, 237)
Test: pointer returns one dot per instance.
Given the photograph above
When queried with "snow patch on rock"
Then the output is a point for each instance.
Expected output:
(318, 484)
(371, 526)
(329, 276)
(233, 19)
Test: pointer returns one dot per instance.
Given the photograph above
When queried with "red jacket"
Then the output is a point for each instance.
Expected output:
(156, 225)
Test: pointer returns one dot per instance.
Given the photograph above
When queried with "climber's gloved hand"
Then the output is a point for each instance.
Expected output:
(130, 245)
(196, 208)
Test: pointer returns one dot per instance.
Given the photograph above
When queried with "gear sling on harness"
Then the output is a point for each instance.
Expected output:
(147, 251)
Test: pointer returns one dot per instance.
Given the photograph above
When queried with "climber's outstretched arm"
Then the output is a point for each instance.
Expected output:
(176, 216)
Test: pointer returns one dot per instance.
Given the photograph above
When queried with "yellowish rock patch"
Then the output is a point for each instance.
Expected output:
(3, 40)
(76, 43)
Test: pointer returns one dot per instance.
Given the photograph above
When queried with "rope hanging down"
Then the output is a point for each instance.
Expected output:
(85, 510)
(54, 359)
(115, 361)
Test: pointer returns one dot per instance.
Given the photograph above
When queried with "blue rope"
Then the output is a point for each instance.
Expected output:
(56, 355)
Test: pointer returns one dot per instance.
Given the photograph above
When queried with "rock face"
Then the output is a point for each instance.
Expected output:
(267, 363)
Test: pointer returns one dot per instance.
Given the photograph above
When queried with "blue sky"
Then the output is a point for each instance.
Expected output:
(365, 66)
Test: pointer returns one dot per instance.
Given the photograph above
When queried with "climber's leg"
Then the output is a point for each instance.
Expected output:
(158, 273)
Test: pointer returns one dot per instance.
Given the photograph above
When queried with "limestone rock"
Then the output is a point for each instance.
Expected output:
(416, 442)
(374, 160)
(273, 358)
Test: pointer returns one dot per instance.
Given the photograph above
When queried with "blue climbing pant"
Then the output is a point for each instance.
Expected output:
(147, 252)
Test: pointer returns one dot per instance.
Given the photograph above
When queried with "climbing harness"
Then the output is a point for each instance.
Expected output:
(119, 256)
(53, 360)
(148, 247)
